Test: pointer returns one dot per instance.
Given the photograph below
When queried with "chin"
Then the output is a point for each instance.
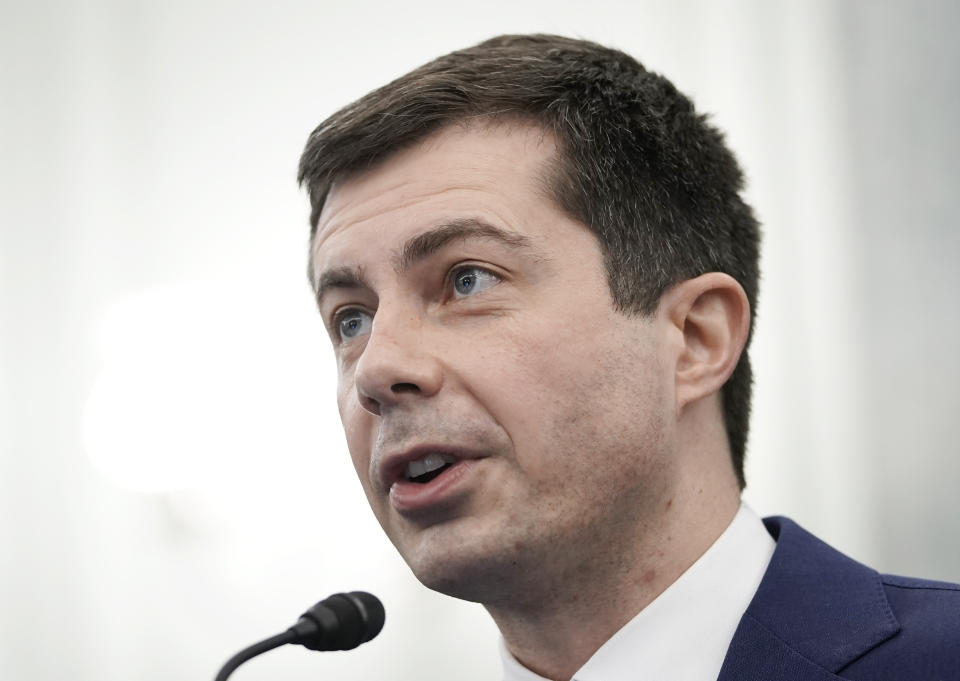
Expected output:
(470, 572)
(467, 582)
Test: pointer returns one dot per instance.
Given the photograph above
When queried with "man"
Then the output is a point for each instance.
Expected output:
(537, 273)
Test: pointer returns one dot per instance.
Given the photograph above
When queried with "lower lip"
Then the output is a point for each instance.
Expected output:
(413, 497)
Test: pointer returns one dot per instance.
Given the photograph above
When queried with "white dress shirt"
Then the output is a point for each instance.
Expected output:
(684, 633)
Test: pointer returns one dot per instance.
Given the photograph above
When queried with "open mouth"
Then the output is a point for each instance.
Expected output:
(426, 469)
(431, 485)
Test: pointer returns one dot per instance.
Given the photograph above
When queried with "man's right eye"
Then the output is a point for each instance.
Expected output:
(353, 323)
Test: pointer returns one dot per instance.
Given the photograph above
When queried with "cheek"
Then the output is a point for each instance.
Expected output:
(533, 390)
(358, 427)
(569, 399)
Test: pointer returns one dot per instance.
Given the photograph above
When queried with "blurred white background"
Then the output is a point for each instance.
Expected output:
(173, 481)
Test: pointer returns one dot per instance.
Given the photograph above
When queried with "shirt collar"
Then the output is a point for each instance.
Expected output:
(699, 612)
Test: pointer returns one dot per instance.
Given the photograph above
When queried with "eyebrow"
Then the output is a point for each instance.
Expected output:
(339, 277)
(420, 247)
(426, 244)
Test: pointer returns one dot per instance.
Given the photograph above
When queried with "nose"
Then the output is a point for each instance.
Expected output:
(398, 363)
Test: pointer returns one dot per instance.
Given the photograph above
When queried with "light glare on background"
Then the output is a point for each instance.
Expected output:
(184, 394)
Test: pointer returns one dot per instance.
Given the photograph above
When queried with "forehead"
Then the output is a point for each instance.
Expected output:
(495, 172)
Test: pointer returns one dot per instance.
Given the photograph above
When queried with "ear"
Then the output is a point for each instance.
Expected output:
(710, 318)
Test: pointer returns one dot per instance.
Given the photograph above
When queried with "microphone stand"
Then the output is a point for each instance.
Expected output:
(254, 650)
(339, 622)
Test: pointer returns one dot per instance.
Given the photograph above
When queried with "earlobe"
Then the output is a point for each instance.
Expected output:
(711, 316)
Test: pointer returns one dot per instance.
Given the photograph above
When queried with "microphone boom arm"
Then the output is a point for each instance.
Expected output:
(254, 650)
(339, 622)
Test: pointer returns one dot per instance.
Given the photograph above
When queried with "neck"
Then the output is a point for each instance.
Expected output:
(556, 630)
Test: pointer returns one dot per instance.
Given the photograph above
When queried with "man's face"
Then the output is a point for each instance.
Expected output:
(474, 331)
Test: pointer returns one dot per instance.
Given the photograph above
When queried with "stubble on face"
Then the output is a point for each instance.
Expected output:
(567, 397)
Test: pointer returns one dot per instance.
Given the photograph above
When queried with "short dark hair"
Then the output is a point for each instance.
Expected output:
(650, 177)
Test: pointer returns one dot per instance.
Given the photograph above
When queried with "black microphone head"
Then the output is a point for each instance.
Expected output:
(372, 612)
(341, 622)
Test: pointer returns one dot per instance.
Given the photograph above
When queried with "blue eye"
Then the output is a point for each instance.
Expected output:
(353, 323)
(470, 280)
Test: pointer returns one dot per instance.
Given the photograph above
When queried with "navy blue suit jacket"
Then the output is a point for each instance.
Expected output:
(819, 615)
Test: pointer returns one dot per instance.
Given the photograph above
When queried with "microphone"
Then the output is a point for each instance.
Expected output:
(339, 622)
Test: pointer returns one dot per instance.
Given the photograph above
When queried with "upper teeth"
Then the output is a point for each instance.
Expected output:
(430, 462)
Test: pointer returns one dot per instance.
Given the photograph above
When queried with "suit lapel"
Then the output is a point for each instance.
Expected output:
(815, 612)
(757, 655)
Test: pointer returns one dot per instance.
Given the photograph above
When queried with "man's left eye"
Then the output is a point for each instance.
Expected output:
(470, 280)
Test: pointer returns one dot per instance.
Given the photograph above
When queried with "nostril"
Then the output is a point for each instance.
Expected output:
(404, 388)
(370, 405)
